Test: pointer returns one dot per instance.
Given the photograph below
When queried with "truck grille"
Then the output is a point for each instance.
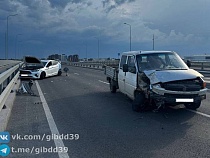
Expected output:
(181, 96)
(184, 85)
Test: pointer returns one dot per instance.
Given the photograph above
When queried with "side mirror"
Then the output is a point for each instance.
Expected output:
(125, 67)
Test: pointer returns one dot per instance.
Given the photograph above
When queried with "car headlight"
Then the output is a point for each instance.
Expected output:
(36, 70)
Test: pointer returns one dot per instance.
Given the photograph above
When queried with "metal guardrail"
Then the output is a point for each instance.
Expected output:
(202, 65)
(7, 81)
(95, 64)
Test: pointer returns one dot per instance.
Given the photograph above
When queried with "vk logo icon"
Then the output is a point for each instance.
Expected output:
(4, 137)
(4, 150)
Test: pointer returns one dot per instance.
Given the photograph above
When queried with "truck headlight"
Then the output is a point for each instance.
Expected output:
(156, 86)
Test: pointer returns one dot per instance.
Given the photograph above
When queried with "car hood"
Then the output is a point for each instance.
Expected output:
(157, 76)
(32, 60)
(32, 63)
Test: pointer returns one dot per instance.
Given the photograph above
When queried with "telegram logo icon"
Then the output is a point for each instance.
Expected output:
(4, 150)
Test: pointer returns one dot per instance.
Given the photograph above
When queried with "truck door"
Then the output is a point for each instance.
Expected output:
(121, 74)
(131, 77)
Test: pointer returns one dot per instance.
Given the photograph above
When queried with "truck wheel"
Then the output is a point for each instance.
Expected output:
(193, 106)
(113, 88)
(42, 76)
(138, 102)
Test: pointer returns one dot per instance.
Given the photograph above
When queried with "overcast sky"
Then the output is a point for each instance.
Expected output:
(71, 26)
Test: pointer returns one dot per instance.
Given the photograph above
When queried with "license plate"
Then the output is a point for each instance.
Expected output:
(185, 100)
(23, 75)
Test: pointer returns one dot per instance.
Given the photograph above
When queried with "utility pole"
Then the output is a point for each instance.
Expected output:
(153, 39)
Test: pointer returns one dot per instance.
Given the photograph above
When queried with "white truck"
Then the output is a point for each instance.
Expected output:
(156, 78)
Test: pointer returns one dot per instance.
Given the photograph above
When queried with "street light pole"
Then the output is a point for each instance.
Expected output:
(153, 42)
(130, 33)
(7, 34)
(16, 43)
(98, 46)
(5, 45)
(86, 50)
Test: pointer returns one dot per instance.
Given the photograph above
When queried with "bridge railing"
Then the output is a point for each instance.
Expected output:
(7, 79)
(94, 64)
(201, 65)
(198, 65)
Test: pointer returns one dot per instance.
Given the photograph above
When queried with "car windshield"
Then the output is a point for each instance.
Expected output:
(44, 63)
(160, 61)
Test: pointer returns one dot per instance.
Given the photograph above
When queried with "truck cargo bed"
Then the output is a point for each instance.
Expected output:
(111, 72)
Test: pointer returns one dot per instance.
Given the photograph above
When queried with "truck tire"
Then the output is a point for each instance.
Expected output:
(193, 106)
(138, 102)
(113, 88)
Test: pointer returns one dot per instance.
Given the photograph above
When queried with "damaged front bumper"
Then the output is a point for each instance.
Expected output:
(27, 74)
(176, 97)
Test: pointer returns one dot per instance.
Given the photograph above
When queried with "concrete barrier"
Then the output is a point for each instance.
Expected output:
(7, 81)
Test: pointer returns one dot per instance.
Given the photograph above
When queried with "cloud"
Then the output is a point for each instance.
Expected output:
(112, 4)
(63, 3)
(172, 22)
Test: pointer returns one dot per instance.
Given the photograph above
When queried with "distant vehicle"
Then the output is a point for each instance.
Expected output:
(38, 69)
(156, 78)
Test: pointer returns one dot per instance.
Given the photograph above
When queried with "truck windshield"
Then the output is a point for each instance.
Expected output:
(160, 61)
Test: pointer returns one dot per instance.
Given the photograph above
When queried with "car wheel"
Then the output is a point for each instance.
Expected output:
(113, 88)
(43, 75)
(59, 73)
(138, 102)
(193, 106)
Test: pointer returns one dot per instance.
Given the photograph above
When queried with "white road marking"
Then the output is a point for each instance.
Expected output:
(51, 122)
(103, 82)
(200, 113)
(76, 73)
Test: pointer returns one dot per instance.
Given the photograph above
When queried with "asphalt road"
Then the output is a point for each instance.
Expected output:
(81, 103)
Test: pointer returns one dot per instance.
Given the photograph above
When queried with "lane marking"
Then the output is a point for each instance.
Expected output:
(200, 113)
(51, 122)
(76, 73)
(103, 82)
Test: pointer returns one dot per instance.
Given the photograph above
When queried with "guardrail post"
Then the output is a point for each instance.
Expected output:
(202, 66)
(1, 88)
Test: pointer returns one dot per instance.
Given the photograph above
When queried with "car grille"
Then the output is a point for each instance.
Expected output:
(185, 85)
(24, 72)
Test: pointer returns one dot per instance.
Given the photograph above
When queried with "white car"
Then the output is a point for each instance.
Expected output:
(38, 69)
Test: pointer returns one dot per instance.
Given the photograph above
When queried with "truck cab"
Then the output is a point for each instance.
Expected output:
(158, 78)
